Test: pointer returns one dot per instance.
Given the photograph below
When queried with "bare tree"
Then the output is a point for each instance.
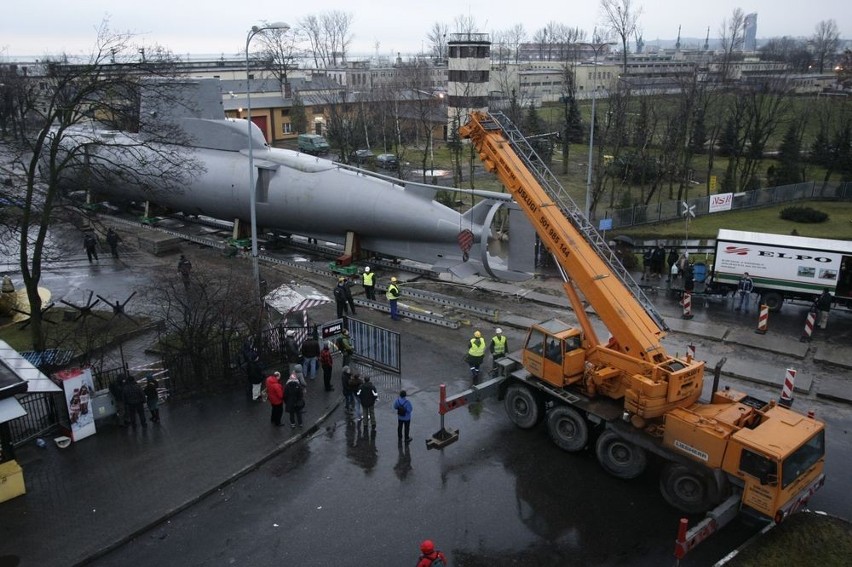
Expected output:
(825, 42)
(731, 38)
(329, 36)
(202, 320)
(793, 52)
(465, 24)
(58, 143)
(515, 36)
(437, 37)
(621, 18)
(280, 49)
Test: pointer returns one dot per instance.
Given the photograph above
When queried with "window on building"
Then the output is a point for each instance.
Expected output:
(288, 128)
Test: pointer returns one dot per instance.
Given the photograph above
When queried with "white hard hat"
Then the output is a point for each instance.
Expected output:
(291, 333)
(367, 269)
(499, 331)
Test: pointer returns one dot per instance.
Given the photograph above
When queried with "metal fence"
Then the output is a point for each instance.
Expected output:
(673, 210)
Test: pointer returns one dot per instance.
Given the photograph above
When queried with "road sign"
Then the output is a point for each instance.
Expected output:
(605, 224)
(688, 209)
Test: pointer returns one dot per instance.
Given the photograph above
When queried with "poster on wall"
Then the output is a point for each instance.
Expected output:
(79, 388)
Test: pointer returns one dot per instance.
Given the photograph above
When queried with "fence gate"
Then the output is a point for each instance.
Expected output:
(376, 346)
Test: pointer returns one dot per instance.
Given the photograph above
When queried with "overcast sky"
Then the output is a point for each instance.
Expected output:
(39, 27)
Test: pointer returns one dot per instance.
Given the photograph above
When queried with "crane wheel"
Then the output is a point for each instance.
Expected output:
(523, 406)
(568, 428)
(687, 488)
(618, 457)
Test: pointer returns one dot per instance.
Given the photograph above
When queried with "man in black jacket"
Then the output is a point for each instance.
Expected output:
(368, 395)
(134, 402)
(823, 304)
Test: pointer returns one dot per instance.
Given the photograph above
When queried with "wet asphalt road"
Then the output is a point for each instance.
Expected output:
(500, 496)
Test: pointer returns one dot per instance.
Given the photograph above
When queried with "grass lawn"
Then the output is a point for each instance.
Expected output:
(838, 226)
(86, 334)
(804, 539)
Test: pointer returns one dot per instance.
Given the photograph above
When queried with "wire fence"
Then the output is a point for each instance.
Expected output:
(674, 210)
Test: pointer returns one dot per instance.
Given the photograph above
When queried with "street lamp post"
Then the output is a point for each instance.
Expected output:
(252, 189)
(597, 48)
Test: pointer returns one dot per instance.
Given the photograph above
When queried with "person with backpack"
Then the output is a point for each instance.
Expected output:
(431, 557)
(368, 395)
(294, 400)
(344, 345)
(403, 415)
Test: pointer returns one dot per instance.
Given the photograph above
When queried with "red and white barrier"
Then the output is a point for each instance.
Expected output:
(687, 305)
(763, 320)
(809, 327)
(690, 351)
(787, 391)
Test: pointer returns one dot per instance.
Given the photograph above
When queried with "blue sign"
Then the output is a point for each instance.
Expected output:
(605, 224)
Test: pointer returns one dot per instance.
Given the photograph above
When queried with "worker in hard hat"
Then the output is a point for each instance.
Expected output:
(392, 294)
(499, 346)
(475, 355)
(368, 280)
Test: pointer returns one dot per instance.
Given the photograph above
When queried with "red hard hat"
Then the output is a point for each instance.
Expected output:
(427, 547)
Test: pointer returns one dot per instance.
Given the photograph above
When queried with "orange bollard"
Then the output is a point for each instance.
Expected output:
(763, 320)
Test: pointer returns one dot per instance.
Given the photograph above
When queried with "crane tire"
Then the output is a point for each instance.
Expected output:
(568, 428)
(522, 406)
(687, 488)
(620, 458)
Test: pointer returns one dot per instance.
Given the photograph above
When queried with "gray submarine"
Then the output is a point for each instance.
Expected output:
(296, 193)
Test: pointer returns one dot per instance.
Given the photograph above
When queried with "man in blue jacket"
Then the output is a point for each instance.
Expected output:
(403, 415)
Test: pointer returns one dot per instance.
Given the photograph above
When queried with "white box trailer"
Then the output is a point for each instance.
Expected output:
(784, 267)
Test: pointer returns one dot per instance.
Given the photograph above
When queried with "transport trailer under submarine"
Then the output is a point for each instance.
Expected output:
(301, 194)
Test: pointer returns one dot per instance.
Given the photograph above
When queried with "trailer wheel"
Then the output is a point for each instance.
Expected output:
(618, 457)
(522, 406)
(686, 488)
(773, 300)
(567, 428)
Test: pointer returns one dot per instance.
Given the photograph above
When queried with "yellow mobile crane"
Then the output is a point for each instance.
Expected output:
(629, 397)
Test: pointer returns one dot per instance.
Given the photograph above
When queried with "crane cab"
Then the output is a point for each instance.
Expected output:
(553, 352)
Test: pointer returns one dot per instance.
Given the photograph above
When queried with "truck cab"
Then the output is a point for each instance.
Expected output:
(553, 352)
(313, 144)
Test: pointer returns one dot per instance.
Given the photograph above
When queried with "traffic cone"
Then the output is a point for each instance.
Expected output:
(763, 320)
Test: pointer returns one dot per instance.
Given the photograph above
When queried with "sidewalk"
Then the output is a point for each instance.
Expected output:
(199, 446)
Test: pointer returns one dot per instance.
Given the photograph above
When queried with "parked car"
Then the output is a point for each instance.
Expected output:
(387, 161)
(361, 157)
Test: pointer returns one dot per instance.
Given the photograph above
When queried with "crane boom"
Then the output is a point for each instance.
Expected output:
(582, 255)
(633, 363)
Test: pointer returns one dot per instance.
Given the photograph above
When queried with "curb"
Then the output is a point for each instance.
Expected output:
(195, 499)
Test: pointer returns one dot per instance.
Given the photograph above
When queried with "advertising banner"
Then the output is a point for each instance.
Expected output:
(79, 388)
(721, 202)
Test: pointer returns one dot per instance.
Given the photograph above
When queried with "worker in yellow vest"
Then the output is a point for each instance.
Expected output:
(499, 347)
(475, 355)
(392, 294)
(368, 280)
